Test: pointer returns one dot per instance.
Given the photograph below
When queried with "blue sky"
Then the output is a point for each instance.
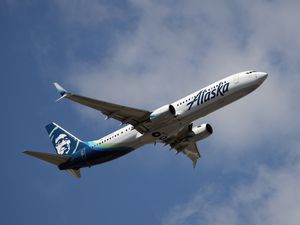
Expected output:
(145, 54)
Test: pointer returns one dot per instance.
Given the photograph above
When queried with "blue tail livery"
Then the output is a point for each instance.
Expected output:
(171, 124)
(63, 142)
(73, 154)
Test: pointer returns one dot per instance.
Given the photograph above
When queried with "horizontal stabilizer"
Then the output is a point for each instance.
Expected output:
(48, 157)
(54, 159)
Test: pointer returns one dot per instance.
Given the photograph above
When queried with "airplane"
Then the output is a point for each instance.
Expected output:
(171, 124)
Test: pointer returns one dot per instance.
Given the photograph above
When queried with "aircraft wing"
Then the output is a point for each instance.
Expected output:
(124, 114)
(190, 149)
(180, 143)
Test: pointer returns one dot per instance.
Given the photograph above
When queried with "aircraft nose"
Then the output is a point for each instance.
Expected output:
(262, 75)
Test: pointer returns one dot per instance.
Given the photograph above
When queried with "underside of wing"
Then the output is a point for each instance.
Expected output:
(124, 114)
(181, 143)
(191, 151)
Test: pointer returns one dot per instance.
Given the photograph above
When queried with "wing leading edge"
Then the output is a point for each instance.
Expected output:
(124, 114)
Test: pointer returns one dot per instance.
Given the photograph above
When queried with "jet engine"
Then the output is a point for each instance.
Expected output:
(163, 113)
(200, 132)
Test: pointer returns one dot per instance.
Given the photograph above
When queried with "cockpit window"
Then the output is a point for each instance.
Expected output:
(249, 72)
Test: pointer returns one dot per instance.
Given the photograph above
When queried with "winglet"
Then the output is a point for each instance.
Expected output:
(61, 91)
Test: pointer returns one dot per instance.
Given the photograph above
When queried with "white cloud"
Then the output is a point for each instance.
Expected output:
(181, 46)
(85, 14)
(272, 197)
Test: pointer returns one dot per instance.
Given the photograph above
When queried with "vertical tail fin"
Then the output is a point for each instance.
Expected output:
(64, 142)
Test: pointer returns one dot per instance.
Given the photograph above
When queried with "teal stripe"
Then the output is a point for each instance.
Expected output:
(75, 147)
(52, 131)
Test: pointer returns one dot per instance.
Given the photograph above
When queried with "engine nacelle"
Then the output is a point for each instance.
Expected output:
(200, 132)
(163, 113)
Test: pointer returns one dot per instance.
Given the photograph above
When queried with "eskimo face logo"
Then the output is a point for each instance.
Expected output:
(62, 144)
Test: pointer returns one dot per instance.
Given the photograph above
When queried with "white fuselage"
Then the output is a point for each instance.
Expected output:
(188, 109)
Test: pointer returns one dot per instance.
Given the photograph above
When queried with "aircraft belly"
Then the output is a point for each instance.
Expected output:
(95, 157)
(105, 156)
